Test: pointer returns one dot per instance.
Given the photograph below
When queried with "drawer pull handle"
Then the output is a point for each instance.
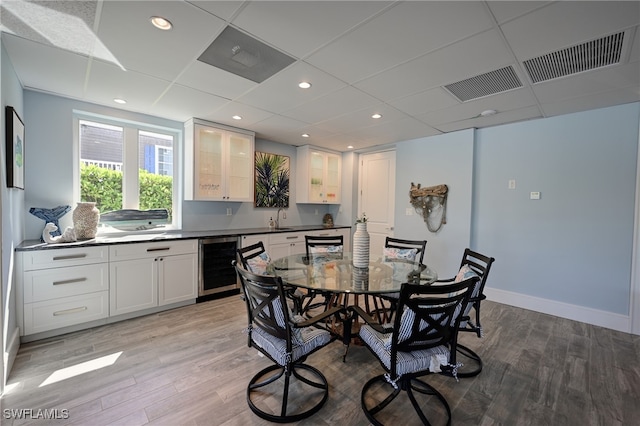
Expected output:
(71, 256)
(70, 311)
(291, 238)
(159, 249)
(71, 281)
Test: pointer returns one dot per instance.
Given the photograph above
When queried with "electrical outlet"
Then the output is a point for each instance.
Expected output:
(512, 184)
(284, 215)
(229, 211)
(534, 195)
(316, 212)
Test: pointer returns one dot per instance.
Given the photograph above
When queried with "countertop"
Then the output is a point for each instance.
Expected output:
(159, 235)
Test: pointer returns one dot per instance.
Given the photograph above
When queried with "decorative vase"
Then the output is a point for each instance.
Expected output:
(85, 220)
(361, 246)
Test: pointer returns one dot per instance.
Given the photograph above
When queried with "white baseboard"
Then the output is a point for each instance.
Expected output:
(563, 310)
(13, 345)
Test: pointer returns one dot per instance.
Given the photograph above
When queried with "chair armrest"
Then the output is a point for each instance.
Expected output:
(317, 318)
(448, 280)
(368, 319)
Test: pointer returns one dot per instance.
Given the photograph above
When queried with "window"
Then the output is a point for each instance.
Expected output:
(126, 165)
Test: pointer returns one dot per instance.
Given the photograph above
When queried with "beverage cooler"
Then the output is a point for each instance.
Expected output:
(217, 274)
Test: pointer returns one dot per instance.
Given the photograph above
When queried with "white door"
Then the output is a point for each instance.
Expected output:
(377, 197)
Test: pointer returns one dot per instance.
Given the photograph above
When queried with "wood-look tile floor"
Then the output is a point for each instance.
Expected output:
(190, 366)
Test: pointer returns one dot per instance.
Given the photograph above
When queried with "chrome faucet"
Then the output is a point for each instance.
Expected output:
(278, 218)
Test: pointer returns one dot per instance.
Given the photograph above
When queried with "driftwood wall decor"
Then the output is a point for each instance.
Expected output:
(431, 203)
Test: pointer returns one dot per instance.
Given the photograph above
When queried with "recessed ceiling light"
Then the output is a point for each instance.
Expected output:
(488, 112)
(237, 117)
(376, 116)
(161, 23)
(305, 135)
(350, 147)
(304, 85)
(119, 101)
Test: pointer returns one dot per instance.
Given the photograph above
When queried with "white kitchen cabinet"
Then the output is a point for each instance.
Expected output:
(61, 288)
(248, 240)
(319, 176)
(286, 243)
(146, 275)
(218, 162)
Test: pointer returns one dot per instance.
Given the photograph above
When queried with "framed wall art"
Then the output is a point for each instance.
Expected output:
(15, 149)
(272, 180)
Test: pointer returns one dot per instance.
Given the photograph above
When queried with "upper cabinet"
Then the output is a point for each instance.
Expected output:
(318, 176)
(218, 162)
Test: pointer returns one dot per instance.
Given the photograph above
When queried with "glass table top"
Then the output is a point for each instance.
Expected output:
(337, 274)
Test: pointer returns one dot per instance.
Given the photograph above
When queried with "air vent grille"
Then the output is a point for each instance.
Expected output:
(485, 84)
(583, 57)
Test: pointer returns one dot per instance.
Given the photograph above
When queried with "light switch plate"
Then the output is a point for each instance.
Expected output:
(534, 195)
(512, 184)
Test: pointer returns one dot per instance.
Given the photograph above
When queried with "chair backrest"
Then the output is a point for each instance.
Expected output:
(429, 316)
(254, 258)
(397, 243)
(266, 304)
(481, 265)
(324, 245)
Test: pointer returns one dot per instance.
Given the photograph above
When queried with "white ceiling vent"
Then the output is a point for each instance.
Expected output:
(583, 57)
(485, 84)
(243, 55)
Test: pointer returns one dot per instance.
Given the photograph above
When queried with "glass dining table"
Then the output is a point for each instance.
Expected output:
(335, 275)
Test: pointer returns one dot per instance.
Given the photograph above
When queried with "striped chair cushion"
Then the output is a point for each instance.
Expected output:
(408, 362)
(310, 339)
(464, 273)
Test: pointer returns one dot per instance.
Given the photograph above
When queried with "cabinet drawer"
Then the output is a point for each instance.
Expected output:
(154, 249)
(52, 314)
(286, 237)
(55, 258)
(48, 284)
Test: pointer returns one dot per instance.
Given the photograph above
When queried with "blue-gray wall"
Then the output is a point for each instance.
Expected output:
(574, 244)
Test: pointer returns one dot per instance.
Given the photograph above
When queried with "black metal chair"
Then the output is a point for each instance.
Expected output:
(396, 248)
(472, 264)
(421, 341)
(318, 248)
(254, 258)
(287, 340)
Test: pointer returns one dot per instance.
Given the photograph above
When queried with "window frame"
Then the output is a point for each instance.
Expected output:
(130, 164)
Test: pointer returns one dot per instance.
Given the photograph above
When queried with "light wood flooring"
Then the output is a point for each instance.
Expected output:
(190, 366)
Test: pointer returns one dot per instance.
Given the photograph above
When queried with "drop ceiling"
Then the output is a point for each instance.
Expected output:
(400, 59)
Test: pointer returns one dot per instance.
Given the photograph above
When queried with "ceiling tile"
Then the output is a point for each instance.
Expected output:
(182, 103)
(362, 118)
(301, 27)
(592, 101)
(331, 105)
(281, 92)
(514, 99)
(567, 23)
(222, 9)
(249, 114)
(426, 101)
(406, 31)
(526, 113)
(482, 53)
(588, 83)
(139, 46)
(201, 76)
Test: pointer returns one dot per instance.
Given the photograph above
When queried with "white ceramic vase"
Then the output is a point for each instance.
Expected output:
(85, 220)
(361, 246)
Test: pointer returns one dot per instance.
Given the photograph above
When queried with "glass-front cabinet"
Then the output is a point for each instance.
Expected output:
(319, 172)
(218, 162)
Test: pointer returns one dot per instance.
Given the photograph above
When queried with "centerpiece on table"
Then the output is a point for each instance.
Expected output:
(361, 243)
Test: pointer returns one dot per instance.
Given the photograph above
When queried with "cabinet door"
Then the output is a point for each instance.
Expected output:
(208, 163)
(177, 278)
(239, 170)
(332, 179)
(133, 285)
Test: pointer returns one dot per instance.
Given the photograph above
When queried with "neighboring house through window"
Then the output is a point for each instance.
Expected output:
(126, 165)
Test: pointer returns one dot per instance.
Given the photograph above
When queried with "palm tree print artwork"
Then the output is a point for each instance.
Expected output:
(272, 180)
